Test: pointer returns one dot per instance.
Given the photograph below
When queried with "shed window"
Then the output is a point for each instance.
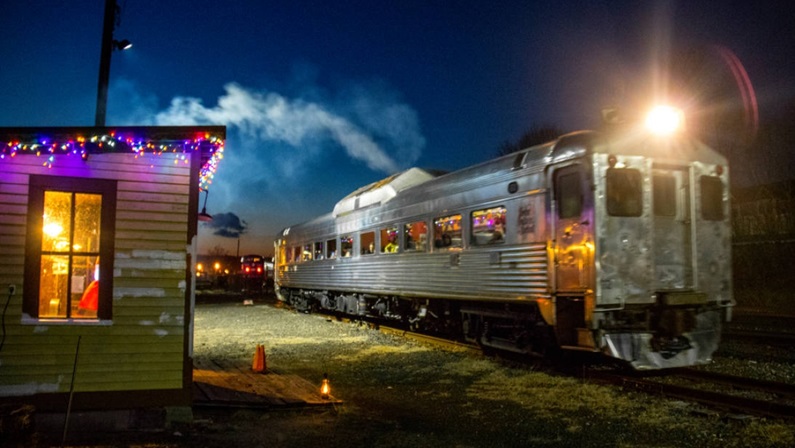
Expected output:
(69, 249)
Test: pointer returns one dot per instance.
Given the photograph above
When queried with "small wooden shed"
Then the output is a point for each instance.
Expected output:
(98, 230)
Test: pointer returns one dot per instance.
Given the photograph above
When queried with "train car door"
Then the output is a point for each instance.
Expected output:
(573, 230)
(573, 249)
(673, 226)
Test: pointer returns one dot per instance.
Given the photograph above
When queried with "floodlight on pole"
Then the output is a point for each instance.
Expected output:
(122, 45)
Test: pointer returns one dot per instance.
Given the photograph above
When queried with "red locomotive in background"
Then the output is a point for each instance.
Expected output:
(253, 273)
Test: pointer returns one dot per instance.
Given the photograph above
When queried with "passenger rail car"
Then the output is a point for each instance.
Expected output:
(614, 241)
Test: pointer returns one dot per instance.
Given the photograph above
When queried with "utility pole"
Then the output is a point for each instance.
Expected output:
(104, 61)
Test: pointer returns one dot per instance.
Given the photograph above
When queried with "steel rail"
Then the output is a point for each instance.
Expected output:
(783, 390)
(723, 401)
(772, 337)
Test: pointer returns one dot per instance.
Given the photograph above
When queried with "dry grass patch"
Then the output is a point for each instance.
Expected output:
(378, 350)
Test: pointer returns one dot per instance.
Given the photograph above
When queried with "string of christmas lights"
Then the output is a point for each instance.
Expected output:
(80, 146)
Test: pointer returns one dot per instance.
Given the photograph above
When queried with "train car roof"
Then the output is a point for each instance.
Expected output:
(382, 191)
(568, 146)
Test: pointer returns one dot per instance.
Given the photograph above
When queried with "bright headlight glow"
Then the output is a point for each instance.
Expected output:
(665, 120)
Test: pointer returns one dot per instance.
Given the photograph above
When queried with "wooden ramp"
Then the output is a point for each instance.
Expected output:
(224, 384)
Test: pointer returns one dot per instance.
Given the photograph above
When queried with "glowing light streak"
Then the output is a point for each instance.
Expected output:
(743, 81)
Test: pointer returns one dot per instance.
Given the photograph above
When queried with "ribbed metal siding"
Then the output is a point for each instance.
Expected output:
(505, 273)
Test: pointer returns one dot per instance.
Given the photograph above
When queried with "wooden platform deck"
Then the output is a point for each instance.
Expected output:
(222, 384)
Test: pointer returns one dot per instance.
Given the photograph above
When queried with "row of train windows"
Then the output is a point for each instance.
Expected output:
(487, 227)
(624, 192)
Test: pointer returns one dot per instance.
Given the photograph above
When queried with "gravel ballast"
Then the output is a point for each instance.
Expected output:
(403, 393)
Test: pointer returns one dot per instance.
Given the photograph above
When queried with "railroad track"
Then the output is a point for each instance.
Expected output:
(720, 391)
(724, 392)
(766, 336)
(727, 393)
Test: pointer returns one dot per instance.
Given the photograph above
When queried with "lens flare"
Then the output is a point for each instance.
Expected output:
(664, 120)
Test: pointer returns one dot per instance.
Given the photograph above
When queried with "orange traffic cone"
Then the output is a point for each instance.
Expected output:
(260, 364)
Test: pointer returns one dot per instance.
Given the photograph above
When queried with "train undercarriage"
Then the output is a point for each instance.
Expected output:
(507, 327)
(647, 337)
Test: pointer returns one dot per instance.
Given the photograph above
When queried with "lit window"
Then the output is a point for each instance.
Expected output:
(306, 255)
(319, 250)
(331, 248)
(368, 243)
(488, 226)
(447, 232)
(346, 246)
(69, 252)
(416, 234)
(389, 240)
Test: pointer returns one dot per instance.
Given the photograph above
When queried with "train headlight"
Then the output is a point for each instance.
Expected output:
(665, 120)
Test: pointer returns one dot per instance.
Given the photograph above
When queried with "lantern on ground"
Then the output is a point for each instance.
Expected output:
(325, 388)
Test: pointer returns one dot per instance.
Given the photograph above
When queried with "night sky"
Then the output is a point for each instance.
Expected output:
(320, 98)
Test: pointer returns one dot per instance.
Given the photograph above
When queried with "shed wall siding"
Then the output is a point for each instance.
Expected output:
(142, 348)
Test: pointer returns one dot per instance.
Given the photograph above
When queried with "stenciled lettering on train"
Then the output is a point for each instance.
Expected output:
(526, 221)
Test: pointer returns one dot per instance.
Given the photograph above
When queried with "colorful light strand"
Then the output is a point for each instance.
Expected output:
(80, 146)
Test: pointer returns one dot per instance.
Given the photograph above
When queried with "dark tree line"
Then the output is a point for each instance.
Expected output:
(535, 136)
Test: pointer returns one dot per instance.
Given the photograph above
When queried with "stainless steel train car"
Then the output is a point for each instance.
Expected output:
(616, 241)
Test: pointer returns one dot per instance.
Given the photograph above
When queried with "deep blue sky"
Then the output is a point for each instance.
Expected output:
(323, 97)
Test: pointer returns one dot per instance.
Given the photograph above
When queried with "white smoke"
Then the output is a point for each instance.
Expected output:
(287, 158)
(270, 117)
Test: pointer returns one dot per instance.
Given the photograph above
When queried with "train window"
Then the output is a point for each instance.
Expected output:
(664, 195)
(488, 226)
(319, 250)
(368, 243)
(624, 192)
(346, 246)
(306, 255)
(518, 161)
(331, 248)
(569, 195)
(416, 234)
(711, 198)
(389, 240)
(283, 255)
(447, 231)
